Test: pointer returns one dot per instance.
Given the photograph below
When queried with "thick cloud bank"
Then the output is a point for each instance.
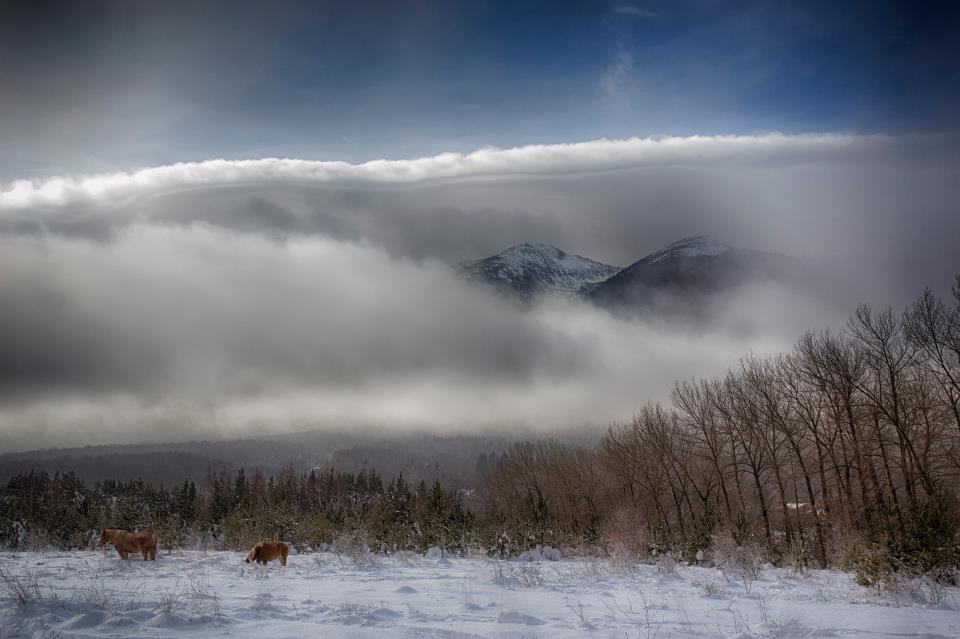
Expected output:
(301, 294)
(196, 328)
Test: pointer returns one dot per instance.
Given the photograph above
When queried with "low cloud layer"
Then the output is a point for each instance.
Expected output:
(598, 155)
(199, 329)
(225, 298)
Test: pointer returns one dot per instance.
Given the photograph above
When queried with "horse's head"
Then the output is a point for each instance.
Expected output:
(104, 539)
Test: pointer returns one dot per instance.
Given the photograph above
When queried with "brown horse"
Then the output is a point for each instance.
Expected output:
(143, 542)
(268, 551)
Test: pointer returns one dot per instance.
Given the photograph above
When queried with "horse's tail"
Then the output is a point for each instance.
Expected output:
(153, 544)
(149, 544)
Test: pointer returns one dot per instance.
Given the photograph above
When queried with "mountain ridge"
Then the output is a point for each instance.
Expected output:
(678, 278)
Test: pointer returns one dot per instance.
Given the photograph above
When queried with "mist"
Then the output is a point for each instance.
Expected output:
(215, 301)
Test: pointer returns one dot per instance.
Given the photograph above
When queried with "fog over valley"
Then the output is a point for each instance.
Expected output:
(213, 300)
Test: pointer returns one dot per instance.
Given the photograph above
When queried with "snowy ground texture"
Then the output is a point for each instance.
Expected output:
(215, 594)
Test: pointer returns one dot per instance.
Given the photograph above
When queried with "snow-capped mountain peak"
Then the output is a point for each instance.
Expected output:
(530, 269)
(527, 251)
(695, 246)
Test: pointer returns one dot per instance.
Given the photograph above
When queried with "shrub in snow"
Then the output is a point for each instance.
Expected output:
(354, 546)
(31, 539)
(21, 589)
(541, 553)
(868, 561)
(499, 574)
(504, 545)
(435, 552)
(796, 557)
(666, 565)
(740, 562)
(406, 557)
(530, 555)
(709, 588)
(909, 588)
(19, 537)
(626, 536)
(516, 575)
(356, 610)
(529, 575)
(928, 545)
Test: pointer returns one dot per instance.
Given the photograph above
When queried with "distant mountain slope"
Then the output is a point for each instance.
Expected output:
(696, 246)
(454, 458)
(531, 270)
(686, 274)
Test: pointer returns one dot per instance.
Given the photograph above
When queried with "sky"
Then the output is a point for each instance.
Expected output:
(103, 86)
(225, 219)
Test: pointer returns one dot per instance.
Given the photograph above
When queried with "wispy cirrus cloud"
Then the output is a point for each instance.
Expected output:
(635, 11)
(616, 74)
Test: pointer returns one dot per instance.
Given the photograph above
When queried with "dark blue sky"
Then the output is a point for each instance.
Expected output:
(98, 86)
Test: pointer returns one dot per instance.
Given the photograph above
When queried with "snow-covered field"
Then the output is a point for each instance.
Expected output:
(215, 594)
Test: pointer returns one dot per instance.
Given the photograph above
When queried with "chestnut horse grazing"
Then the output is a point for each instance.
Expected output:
(268, 551)
(143, 542)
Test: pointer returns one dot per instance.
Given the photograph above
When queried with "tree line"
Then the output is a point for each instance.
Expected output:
(236, 510)
(845, 451)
